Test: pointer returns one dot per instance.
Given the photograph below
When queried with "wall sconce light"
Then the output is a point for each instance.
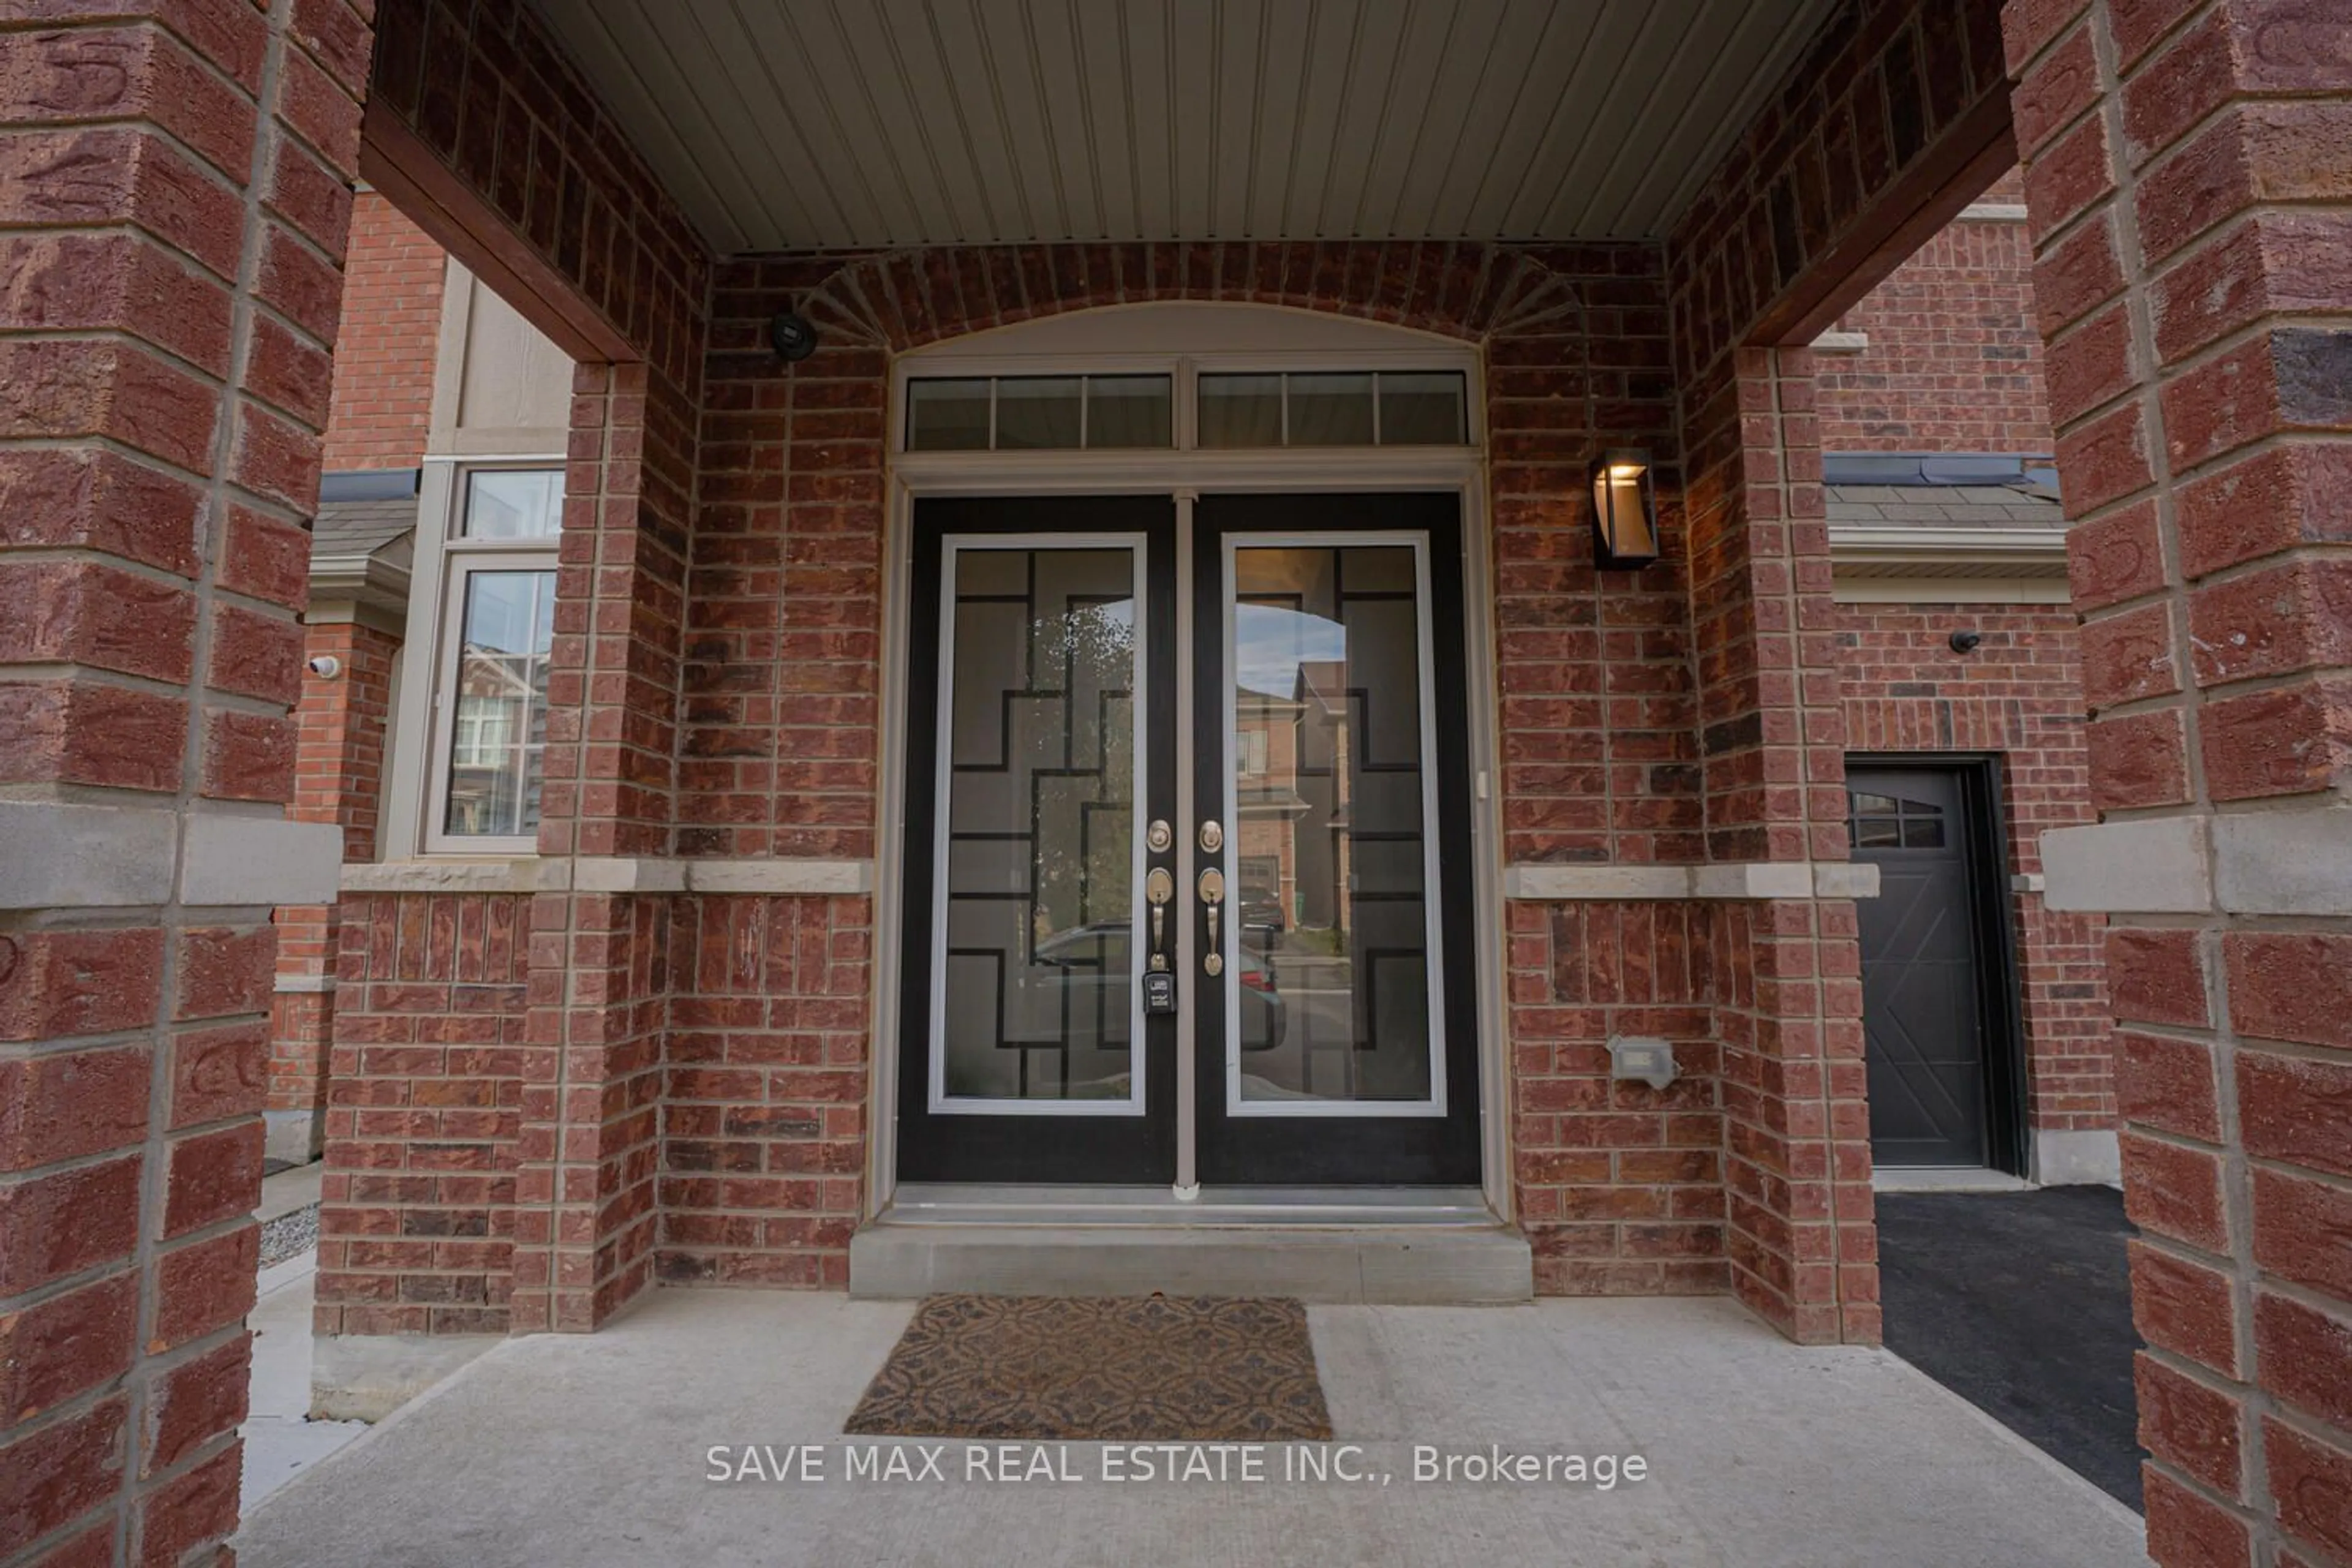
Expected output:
(1624, 511)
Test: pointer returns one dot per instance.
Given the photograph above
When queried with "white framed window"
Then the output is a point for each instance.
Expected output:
(495, 631)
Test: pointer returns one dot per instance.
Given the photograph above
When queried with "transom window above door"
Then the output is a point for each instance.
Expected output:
(1038, 412)
(1205, 382)
(1230, 410)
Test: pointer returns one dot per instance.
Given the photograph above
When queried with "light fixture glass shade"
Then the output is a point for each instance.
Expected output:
(1624, 511)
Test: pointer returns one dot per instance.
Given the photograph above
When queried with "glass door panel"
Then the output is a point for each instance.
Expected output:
(1329, 963)
(1336, 1039)
(1040, 743)
(1035, 918)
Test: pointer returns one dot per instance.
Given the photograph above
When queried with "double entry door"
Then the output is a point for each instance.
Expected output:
(1263, 977)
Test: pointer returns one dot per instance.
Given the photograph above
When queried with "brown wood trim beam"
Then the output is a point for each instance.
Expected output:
(1967, 159)
(397, 162)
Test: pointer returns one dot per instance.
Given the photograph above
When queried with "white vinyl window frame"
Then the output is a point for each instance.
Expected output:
(461, 567)
(416, 796)
(941, 1103)
(1432, 911)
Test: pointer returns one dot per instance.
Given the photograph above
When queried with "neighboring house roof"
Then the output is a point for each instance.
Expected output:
(1945, 506)
(1899, 518)
(363, 540)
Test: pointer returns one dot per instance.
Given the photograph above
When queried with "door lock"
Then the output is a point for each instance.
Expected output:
(1213, 836)
(1212, 888)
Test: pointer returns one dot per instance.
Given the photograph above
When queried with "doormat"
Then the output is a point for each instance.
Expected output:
(1117, 1369)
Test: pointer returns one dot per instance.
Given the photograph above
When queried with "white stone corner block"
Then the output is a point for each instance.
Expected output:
(2077, 1159)
(2028, 882)
(2152, 866)
(233, 861)
(304, 985)
(59, 856)
(783, 877)
(2295, 862)
(593, 874)
(1564, 883)
(1854, 879)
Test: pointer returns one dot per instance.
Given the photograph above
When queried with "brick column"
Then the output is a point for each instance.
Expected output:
(1802, 1233)
(173, 218)
(2190, 181)
(584, 1196)
(338, 778)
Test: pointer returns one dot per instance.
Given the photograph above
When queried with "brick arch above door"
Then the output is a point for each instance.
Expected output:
(1468, 291)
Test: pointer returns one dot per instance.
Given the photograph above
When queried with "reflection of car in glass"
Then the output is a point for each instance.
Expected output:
(1260, 915)
(1094, 974)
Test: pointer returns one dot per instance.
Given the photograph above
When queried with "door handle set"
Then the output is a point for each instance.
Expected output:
(1159, 892)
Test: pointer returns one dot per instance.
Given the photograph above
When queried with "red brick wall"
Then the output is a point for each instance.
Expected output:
(338, 761)
(765, 1091)
(424, 1120)
(1620, 1186)
(480, 124)
(386, 348)
(2018, 694)
(175, 216)
(783, 672)
(1955, 362)
(338, 777)
(1892, 105)
(2185, 181)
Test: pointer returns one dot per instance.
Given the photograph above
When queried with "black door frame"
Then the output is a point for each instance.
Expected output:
(1007, 1156)
(1011, 1148)
(1992, 912)
(1370, 1150)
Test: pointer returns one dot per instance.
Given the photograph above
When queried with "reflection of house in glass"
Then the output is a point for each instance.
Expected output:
(501, 732)
(1328, 871)
(1293, 795)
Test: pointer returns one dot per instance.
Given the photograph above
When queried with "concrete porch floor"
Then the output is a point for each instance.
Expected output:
(592, 1450)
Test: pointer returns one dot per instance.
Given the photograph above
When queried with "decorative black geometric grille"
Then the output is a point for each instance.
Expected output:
(1041, 825)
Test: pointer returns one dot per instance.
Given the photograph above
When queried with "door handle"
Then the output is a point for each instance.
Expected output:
(1159, 891)
(1212, 888)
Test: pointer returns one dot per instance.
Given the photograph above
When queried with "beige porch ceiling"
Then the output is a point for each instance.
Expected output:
(790, 124)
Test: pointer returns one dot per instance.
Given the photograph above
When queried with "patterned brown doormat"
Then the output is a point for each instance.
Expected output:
(1119, 1368)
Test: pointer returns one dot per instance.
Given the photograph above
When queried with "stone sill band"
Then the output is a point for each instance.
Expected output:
(614, 874)
(64, 854)
(2295, 861)
(1650, 884)
(67, 855)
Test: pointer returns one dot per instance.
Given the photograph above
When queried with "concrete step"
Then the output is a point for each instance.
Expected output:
(1397, 1265)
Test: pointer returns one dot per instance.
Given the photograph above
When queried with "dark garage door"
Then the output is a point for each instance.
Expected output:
(1922, 998)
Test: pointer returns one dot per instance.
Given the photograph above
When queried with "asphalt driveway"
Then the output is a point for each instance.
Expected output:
(2020, 1304)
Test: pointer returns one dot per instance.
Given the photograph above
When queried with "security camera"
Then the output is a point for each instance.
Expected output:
(794, 335)
(326, 667)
